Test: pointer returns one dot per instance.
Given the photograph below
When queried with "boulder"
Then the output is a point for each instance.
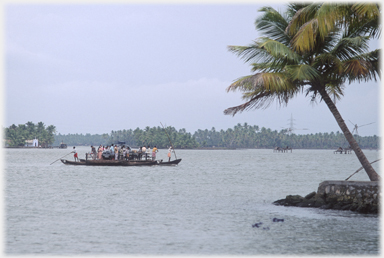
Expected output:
(329, 200)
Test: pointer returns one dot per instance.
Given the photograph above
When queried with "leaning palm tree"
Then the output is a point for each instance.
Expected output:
(313, 49)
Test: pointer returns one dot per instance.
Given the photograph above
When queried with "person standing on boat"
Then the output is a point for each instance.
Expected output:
(127, 156)
(140, 153)
(116, 153)
(169, 153)
(144, 151)
(99, 152)
(124, 154)
(93, 151)
(75, 154)
(121, 153)
(148, 152)
(154, 150)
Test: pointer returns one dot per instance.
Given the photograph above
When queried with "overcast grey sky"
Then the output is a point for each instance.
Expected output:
(94, 68)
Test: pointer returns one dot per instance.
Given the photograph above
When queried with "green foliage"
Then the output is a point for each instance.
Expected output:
(246, 136)
(81, 139)
(314, 48)
(17, 135)
(240, 136)
(155, 136)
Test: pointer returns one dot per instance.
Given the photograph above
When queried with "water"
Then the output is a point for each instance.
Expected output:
(205, 206)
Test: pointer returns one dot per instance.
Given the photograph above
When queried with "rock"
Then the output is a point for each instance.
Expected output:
(279, 202)
(293, 200)
(319, 200)
(309, 196)
(257, 224)
(346, 207)
(358, 196)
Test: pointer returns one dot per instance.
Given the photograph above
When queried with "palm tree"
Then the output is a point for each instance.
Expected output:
(312, 48)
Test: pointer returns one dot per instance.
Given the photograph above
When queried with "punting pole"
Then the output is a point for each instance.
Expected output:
(360, 169)
(61, 158)
(169, 139)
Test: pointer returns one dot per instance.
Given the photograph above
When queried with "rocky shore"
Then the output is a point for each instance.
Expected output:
(358, 196)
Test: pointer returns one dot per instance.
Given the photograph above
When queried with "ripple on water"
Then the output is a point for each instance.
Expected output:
(206, 205)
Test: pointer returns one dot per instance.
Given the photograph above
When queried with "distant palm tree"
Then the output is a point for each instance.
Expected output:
(312, 48)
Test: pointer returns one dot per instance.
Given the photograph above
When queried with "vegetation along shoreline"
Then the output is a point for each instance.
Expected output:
(241, 136)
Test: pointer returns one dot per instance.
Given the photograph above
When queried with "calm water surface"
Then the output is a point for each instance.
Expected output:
(205, 206)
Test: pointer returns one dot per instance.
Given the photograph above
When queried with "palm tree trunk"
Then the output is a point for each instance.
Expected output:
(373, 176)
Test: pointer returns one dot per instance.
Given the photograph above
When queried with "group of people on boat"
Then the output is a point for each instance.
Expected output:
(345, 150)
(116, 152)
(279, 149)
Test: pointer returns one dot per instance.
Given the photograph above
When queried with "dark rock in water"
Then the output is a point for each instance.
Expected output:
(318, 200)
(279, 202)
(346, 207)
(290, 200)
(294, 199)
(359, 196)
(277, 220)
(257, 224)
(309, 196)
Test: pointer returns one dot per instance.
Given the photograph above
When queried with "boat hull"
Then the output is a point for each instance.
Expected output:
(124, 163)
(169, 163)
(109, 163)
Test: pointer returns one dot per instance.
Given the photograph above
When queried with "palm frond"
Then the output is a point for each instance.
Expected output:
(301, 17)
(276, 66)
(272, 24)
(278, 50)
(357, 69)
(327, 16)
(245, 83)
(293, 8)
(347, 48)
(305, 38)
(275, 82)
(261, 89)
(328, 64)
(369, 19)
(302, 72)
(335, 91)
(265, 50)
(328, 46)
(251, 52)
(364, 67)
(363, 27)
(369, 10)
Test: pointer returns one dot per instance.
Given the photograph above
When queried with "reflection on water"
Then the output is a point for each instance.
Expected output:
(206, 205)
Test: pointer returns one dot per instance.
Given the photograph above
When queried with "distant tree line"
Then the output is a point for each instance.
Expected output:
(16, 136)
(81, 139)
(240, 136)
(155, 136)
(247, 136)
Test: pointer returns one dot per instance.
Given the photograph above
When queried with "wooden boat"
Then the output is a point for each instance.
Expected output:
(84, 162)
(168, 163)
(108, 163)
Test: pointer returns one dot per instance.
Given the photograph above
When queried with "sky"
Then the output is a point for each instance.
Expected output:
(98, 67)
